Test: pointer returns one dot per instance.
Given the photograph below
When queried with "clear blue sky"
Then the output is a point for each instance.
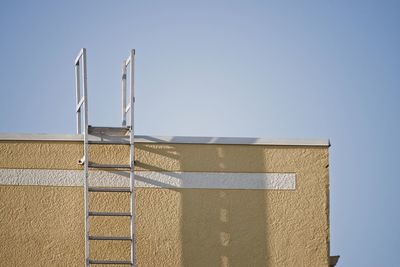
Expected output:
(278, 69)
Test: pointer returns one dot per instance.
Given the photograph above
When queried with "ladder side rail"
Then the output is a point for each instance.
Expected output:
(132, 156)
(86, 157)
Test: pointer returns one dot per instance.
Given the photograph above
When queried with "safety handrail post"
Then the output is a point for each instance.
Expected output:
(128, 90)
(123, 93)
(81, 100)
(78, 98)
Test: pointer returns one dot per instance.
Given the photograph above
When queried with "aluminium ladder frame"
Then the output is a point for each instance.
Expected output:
(82, 103)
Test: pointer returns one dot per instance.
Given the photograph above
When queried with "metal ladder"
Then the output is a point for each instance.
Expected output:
(119, 135)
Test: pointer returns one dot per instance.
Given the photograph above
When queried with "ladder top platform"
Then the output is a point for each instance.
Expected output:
(109, 135)
(109, 131)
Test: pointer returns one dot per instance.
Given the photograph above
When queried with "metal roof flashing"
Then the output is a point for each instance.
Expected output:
(165, 139)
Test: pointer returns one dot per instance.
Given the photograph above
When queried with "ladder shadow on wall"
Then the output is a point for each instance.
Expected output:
(215, 227)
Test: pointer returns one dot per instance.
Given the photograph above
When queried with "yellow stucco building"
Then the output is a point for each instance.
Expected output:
(199, 201)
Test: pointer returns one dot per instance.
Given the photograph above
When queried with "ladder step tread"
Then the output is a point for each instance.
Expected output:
(118, 238)
(109, 166)
(112, 131)
(102, 213)
(110, 262)
(110, 142)
(110, 189)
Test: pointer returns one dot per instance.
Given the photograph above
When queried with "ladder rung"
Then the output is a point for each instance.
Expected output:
(110, 142)
(118, 238)
(98, 213)
(110, 189)
(110, 262)
(108, 166)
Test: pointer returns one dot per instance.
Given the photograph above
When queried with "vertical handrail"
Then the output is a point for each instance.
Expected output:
(123, 93)
(78, 97)
(80, 100)
(83, 101)
(125, 90)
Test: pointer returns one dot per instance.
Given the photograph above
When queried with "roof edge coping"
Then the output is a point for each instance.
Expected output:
(172, 139)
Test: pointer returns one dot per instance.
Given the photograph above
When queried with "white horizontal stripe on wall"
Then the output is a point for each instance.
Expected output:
(210, 180)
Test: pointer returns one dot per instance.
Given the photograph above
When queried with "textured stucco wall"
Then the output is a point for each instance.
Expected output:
(43, 225)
